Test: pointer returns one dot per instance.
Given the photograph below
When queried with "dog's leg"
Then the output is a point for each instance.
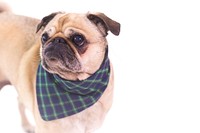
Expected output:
(3, 83)
(28, 128)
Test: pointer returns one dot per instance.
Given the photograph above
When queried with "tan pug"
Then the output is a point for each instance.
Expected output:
(67, 46)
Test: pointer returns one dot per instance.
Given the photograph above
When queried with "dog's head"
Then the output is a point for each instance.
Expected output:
(73, 45)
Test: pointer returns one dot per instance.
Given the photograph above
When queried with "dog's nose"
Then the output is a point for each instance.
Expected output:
(58, 40)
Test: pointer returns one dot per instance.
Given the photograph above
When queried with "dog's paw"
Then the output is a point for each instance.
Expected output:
(29, 129)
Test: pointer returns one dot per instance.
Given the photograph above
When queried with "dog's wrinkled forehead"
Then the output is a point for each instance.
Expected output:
(45, 21)
(60, 22)
(100, 20)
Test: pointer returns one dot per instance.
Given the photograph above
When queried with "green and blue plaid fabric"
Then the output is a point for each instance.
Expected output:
(58, 98)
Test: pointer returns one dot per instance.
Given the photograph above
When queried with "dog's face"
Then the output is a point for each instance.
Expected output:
(74, 44)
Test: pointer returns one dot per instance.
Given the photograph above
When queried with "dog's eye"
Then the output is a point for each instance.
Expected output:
(78, 40)
(44, 38)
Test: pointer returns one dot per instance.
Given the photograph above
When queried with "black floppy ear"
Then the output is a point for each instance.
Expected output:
(46, 20)
(104, 23)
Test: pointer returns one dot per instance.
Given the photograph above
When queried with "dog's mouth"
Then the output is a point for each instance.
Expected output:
(57, 55)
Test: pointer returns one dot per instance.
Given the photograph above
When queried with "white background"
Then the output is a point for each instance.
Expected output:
(156, 59)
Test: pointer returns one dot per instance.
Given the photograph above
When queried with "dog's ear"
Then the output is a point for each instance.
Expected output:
(46, 20)
(104, 23)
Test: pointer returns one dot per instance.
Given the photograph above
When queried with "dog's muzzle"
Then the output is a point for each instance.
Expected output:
(55, 50)
(59, 51)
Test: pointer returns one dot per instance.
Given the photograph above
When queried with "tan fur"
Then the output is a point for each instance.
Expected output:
(20, 54)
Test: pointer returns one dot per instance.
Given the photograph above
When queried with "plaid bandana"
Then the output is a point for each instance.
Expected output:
(59, 98)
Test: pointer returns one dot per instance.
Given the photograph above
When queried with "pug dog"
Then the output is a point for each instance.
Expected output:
(60, 68)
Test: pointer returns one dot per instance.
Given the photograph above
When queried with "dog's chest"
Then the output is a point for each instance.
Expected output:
(84, 122)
